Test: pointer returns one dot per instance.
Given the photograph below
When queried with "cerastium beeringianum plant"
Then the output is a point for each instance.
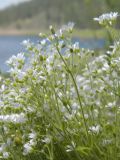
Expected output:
(61, 102)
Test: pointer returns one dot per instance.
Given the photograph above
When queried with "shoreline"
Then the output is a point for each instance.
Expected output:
(15, 32)
(81, 33)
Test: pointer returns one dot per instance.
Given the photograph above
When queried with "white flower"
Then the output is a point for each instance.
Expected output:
(17, 73)
(50, 59)
(16, 61)
(11, 60)
(46, 140)
(2, 89)
(5, 155)
(107, 141)
(71, 147)
(105, 67)
(75, 106)
(107, 18)
(61, 44)
(14, 118)
(27, 148)
(26, 42)
(21, 75)
(115, 47)
(110, 105)
(13, 71)
(76, 46)
(2, 147)
(59, 33)
(43, 42)
(95, 129)
(18, 57)
(32, 135)
(68, 27)
(32, 142)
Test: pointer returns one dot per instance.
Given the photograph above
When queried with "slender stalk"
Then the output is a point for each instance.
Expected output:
(76, 88)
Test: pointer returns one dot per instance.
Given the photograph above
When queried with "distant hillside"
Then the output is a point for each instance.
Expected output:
(42, 13)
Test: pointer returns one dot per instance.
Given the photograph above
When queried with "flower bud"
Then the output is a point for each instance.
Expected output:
(52, 30)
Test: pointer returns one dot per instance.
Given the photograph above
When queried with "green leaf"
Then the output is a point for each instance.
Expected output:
(83, 150)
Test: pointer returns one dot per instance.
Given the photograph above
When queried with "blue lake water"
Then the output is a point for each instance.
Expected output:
(11, 45)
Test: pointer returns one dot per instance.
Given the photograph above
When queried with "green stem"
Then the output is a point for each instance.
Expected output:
(76, 88)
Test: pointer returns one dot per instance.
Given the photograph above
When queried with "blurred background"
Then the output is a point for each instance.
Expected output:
(25, 19)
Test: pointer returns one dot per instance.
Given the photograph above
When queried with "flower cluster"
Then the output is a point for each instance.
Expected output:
(107, 19)
(61, 100)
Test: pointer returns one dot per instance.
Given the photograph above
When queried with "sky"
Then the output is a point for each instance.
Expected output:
(6, 3)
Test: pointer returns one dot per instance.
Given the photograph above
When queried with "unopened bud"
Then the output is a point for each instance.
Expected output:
(52, 29)
(42, 35)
